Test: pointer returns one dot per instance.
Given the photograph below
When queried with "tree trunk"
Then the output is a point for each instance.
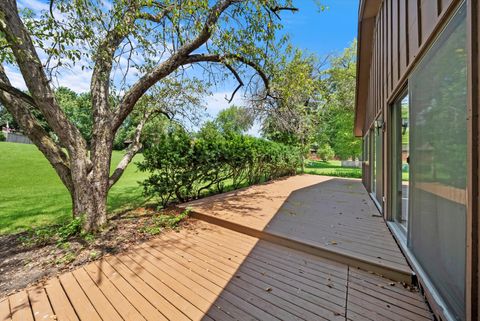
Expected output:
(90, 190)
(90, 203)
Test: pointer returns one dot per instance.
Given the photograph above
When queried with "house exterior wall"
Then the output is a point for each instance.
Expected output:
(401, 30)
(393, 37)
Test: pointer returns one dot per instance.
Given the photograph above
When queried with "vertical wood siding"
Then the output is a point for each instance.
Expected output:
(402, 28)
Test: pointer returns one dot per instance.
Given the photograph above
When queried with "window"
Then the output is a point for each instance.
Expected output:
(376, 135)
(400, 158)
(438, 163)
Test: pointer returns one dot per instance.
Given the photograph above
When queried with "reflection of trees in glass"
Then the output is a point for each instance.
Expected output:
(438, 90)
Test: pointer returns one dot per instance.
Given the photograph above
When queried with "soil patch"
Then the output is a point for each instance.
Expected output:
(25, 262)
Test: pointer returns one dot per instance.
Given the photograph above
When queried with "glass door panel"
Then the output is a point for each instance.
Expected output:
(373, 167)
(376, 168)
(438, 163)
(400, 161)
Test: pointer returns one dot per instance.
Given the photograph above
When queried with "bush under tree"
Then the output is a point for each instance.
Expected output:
(183, 167)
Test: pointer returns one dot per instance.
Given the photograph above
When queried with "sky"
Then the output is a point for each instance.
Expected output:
(314, 31)
(320, 32)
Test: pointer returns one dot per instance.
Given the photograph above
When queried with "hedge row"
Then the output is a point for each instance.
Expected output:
(183, 167)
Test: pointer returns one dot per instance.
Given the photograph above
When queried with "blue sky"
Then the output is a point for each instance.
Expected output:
(319, 32)
(323, 32)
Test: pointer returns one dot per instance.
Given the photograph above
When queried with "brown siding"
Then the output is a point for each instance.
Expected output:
(403, 26)
(402, 29)
(429, 17)
(413, 31)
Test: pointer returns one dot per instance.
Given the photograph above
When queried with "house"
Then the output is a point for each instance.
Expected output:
(417, 111)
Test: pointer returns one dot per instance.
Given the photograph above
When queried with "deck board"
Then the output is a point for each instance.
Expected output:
(95, 295)
(332, 214)
(61, 305)
(20, 307)
(80, 302)
(5, 314)
(148, 310)
(208, 272)
(40, 305)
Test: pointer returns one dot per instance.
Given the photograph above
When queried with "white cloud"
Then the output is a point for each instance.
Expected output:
(218, 101)
(15, 77)
(76, 79)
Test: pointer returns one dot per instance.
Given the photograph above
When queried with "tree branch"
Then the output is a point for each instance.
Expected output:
(17, 93)
(20, 110)
(170, 65)
(131, 151)
(239, 79)
(224, 59)
(35, 78)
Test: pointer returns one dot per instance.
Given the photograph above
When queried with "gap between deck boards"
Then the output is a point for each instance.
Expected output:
(401, 275)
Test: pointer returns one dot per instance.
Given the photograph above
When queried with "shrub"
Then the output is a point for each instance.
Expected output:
(2, 137)
(185, 167)
(325, 152)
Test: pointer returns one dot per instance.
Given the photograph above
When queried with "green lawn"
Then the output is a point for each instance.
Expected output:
(331, 168)
(32, 195)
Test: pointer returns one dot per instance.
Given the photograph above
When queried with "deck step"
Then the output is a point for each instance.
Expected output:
(399, 274)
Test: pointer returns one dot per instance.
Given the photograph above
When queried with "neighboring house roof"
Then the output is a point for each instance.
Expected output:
(366, 24)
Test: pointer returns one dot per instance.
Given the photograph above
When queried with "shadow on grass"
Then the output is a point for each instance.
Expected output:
(126, 198)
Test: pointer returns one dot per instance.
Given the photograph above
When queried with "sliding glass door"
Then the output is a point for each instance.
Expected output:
(376, 168)
(428, 138)
(400, 157)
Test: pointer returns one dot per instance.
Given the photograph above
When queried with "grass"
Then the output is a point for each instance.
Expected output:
(32, 195)
(331, 168)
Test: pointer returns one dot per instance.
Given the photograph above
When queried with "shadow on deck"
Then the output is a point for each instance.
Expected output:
(330, 217)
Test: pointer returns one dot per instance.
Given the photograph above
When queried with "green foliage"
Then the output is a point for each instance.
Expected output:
(336, 116)
(169, 100)
(158, 223)
(78, 108)
(66, 258)
(59, 234)
(234, 120)
(182, 167)
(325, 152)
(332, 168)
(7, 118)
(289, 116)
(2, 137)
(73, 228)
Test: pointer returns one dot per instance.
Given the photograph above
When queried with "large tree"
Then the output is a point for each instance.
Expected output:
(234, 120)
(288, 115)
(336, 116)
(116, 41)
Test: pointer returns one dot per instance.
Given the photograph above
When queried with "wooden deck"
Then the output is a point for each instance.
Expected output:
(286, 250)
(207, 272)
(331, 217)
